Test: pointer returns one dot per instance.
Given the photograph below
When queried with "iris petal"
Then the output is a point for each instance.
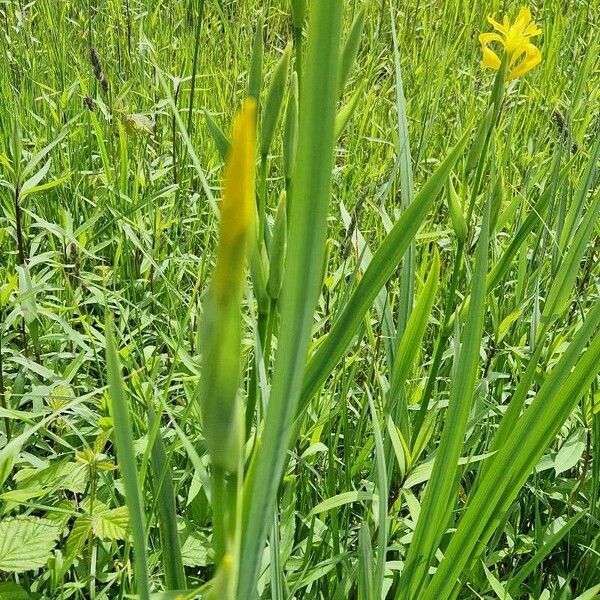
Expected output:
(486, 38)
(497, 26)
(522, 21)
(520, 54)
(490, 58)
(532, 29)
(533, 57)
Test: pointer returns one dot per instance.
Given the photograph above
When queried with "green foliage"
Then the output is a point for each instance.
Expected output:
(413, 348)
(26, 543)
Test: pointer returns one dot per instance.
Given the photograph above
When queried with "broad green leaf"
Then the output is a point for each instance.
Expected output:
(195, 550)
(26, 543)
(570, 452)
(13, 591)
(110, 524)
(79, 535)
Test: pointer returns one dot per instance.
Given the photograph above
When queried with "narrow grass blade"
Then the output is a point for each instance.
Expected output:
(383, 264)
(223, 144)
(498, 588)
(167, 514)
(188, 142)
(290, 137)
(591, 594)
(564, 280)
(515, 582)
(558, 375)
(518, 456)
(123, 434)
(198, 26)
(534, 217)
(351, 46)
(365, 563)
(577, 205)
(311, 189)
(382, 486)
(345, 114)
(255, 71)
(411, 339)
(274, 102)
(558, 295)
(407, 272)
(437, 501)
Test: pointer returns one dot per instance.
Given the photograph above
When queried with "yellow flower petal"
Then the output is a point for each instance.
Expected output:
(533, 57)
(486, 38)
(497, 26)
(532, 29)
(519, 53)
(522, 21)
(490, 59)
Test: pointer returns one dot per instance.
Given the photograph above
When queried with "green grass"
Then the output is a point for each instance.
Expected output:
(418, 414)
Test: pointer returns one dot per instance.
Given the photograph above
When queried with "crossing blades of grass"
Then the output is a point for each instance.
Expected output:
(411, 338)
(310, 191)
(513, 463)
(382, 266)
(436, 505)
(407, 273)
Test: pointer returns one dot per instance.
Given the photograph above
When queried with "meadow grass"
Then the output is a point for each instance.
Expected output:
(360, 361)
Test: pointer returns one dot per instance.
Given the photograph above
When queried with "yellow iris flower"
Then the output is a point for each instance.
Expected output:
(521, 54)
(238, 204)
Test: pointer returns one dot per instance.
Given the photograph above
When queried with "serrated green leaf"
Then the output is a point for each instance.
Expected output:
(195, 550)
(26, 543)
(111, 524)
(76, 541)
